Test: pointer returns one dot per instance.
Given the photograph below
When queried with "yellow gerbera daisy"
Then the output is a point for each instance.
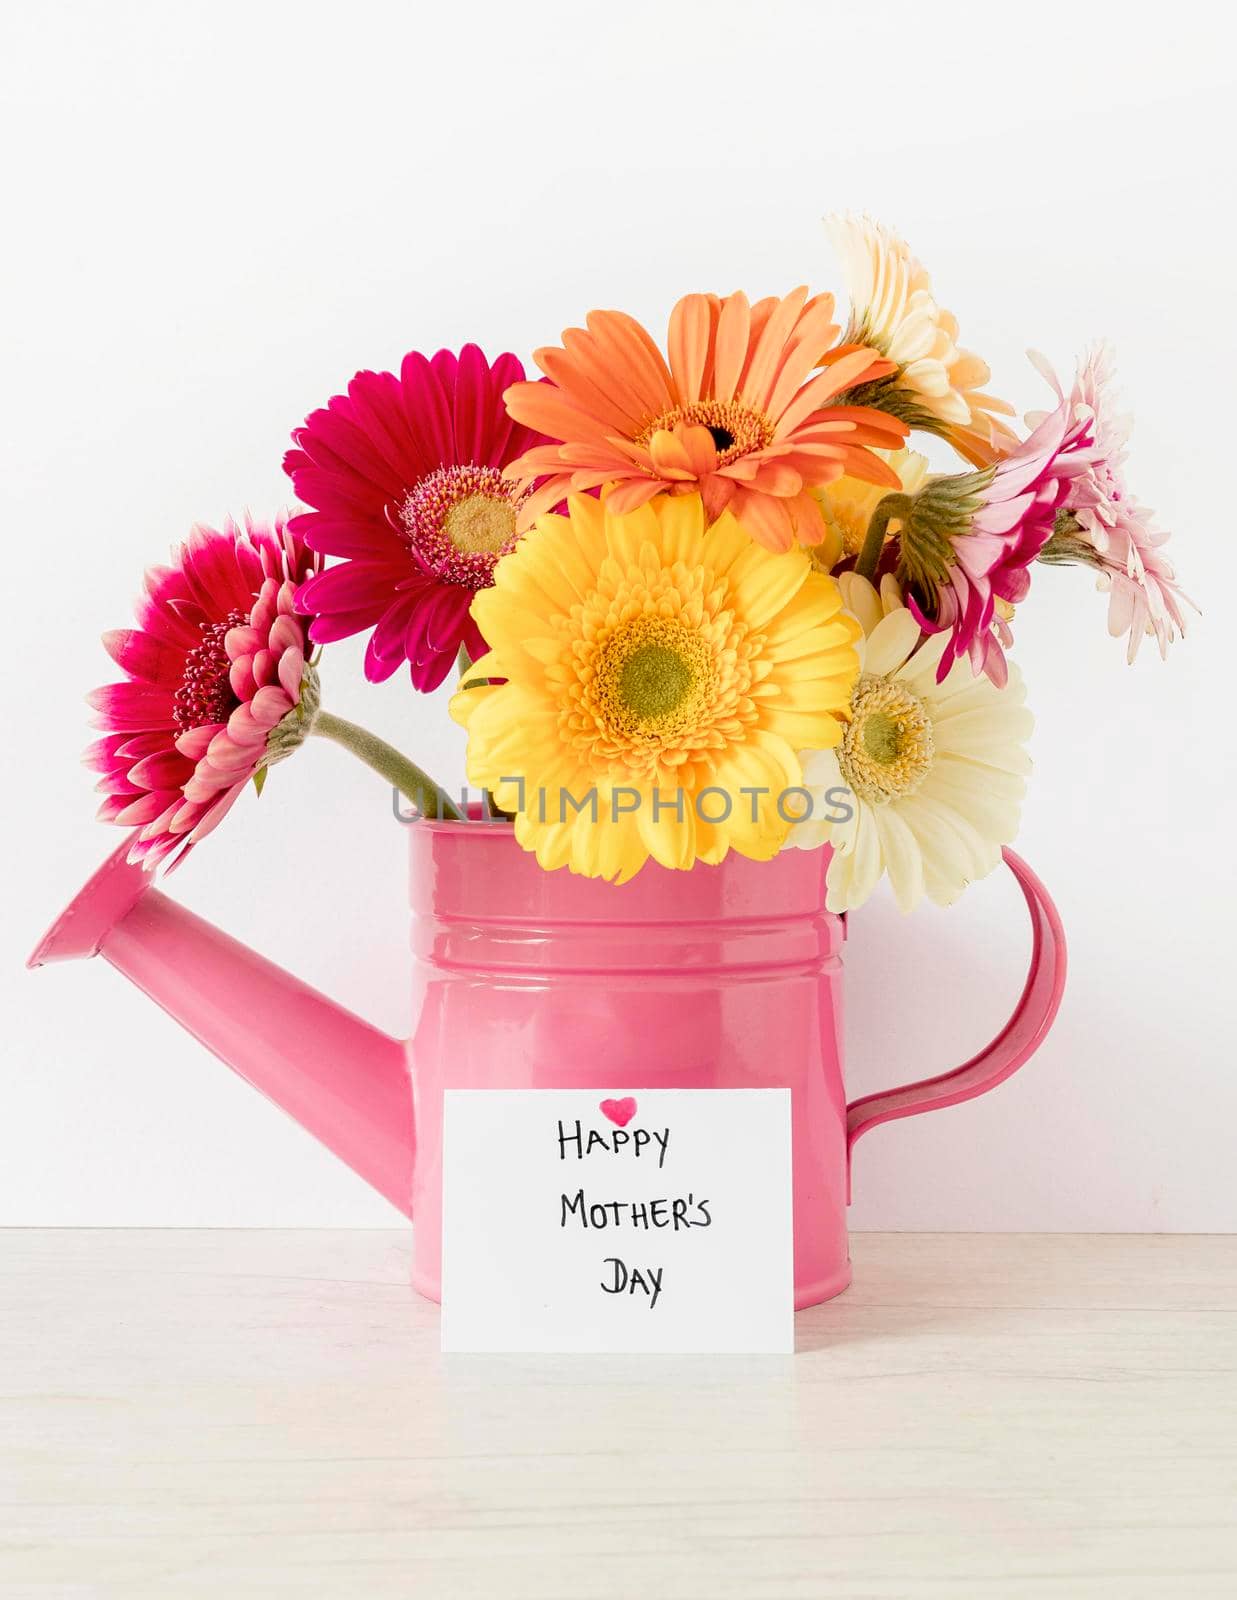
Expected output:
(660, 674)
(937, 386)
(846, 507)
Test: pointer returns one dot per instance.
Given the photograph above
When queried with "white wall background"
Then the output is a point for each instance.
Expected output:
(215, 214)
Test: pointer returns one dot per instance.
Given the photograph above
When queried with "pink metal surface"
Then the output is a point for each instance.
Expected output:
(721, 977)
(341, 1079)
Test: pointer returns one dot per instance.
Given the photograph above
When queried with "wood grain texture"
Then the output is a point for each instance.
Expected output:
(188, 1414)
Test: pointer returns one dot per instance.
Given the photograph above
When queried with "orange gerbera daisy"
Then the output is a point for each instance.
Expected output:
(736, 415)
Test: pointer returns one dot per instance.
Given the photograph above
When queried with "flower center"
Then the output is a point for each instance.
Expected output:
(888, 746)
(205, 693)
(480, 525)
(652, 678)
(735, 429)
(459, 521)
(653, 681)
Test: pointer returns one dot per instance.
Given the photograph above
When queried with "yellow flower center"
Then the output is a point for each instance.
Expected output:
(652, 676)
(459, 521)
(736, 429)
(659, 677)
(654, 680)
(480, 524)
(888, 747)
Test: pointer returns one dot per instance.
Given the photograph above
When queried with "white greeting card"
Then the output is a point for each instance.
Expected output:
(617, 1220)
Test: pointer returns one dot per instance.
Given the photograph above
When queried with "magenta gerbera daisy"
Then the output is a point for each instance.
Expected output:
(406, 477)
(216, 688)
(966, 543)
(998, 522)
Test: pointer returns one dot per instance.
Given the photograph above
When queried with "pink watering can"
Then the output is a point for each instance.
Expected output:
(721, 977)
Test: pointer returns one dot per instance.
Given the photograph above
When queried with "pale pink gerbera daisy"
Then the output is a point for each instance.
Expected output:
(738, 414)
(967, 542)
(216, 687)
(1102, 526)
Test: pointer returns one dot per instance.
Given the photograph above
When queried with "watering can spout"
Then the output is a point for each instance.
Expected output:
(345, 1082)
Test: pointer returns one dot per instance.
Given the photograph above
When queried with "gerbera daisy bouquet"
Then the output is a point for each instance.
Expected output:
(687, 597)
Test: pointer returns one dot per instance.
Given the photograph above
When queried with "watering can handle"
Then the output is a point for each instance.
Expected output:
(1017, 1041)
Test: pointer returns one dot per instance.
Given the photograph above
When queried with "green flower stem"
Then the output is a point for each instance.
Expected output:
(893, 505)
(387, 762)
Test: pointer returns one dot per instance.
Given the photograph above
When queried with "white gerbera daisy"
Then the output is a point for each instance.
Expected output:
(937, 387)
(936, 771)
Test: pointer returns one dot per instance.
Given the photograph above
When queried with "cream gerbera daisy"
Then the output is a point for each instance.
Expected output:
(937, 386)
(847, 504)
(659, 675)
(936, 771)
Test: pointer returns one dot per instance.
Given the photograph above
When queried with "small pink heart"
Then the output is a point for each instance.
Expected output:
(620, 1112)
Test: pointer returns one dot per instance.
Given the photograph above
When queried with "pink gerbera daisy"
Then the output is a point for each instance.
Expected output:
(995, 523)
(1102, 526)
(216, 685)
(966, 542)
(407, 479)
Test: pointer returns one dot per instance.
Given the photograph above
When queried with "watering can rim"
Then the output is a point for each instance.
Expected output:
(116, 885)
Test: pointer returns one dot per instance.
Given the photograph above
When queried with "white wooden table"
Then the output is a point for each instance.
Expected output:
(218, 1414)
